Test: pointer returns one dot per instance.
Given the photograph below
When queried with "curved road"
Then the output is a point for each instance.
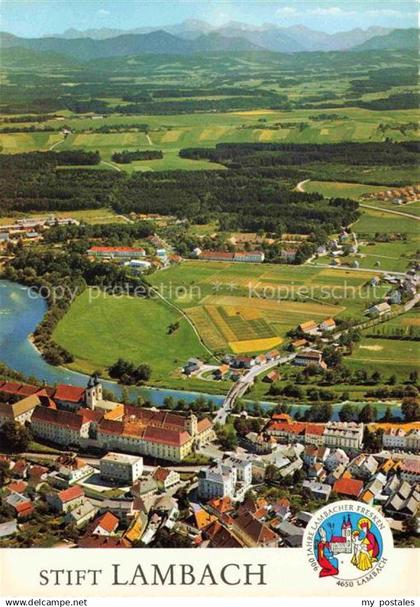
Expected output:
(189, 321)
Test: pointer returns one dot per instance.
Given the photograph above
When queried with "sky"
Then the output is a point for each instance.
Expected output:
(31, 18)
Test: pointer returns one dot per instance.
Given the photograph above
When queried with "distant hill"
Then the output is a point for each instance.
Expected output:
(397, 39)
(159, 42)
(295, 38)
(194, 36)
(22, 57)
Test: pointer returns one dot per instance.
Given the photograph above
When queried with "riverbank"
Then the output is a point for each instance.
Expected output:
(20, 317)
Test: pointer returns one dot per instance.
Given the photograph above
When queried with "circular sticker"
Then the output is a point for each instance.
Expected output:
(349, 542)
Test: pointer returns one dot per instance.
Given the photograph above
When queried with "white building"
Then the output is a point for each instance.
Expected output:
(218, 481)
(62, 427)
(19, 412)
(379, 309)
(363, 466)
(121, 467)
(397, 438)
(81, 514)
(347, 435)
(410, 470)
(335, 458)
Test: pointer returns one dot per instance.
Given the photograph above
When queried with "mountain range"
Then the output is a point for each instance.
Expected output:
(194, 36)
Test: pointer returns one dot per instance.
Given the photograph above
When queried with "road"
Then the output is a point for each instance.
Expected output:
(300, 188)
(189, 321)
(113, 166)
(54, 145)
(409, 215)
(205, 369)
(349, 269)
(94, 462)
(242, 385)
(300, 185)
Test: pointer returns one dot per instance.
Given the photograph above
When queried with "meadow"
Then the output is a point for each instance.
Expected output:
(250, 307)
(385, 355)
(172, 133)
(337, 189)
(90, 216)
(100, 331)
(395, 255)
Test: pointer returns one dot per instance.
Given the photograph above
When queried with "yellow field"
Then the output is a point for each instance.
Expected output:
(171, 136)
(254, 345)
(245, 312)
(208, 331)
(308, 309)
(213, 133)
(415, 322)
(266, 135)
(253, 112)
(220, 323)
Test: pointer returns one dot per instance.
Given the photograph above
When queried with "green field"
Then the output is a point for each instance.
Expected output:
(91, 216)
(331, 189)
(385, 355)
(231, 303)
(173, 133)
(373, 221)
(396, 255)
(97, 333)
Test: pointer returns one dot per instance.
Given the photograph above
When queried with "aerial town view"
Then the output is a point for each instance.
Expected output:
(209, 256)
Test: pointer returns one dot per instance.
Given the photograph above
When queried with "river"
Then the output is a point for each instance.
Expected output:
(21, 312)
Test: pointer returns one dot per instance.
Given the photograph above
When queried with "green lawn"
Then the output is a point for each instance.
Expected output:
(91, 216)
(229, 302)
(373, 221)
(385, 355)
(331, 189)
(174, 132)
(99, 332)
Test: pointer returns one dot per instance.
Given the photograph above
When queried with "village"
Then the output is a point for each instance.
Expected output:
(121, 476)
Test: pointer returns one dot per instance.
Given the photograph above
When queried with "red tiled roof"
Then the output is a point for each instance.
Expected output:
(348, 486)
(293, 428)
(204, 424)
(222, 504)
(103, 541)
(310, 324)
(168, 437)
(116, 249)
(18, 388)
(217, 254)
(92, 416)
(70, 494)
(37, 471)
(220, 537)
(258, 532)
(60, 418)
(108, 521)
(19, 467)
(109, 426)
(23, 508)
(315, 429)
(161, 474)
(71, 394)
(281, 417)
(17, 486)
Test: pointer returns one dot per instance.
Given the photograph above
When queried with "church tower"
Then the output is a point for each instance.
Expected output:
(348, 529)
(93, 392)
(191, 424)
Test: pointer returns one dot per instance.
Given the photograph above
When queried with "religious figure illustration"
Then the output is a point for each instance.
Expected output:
(325, 557)
(371, 542)
(356, 545)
